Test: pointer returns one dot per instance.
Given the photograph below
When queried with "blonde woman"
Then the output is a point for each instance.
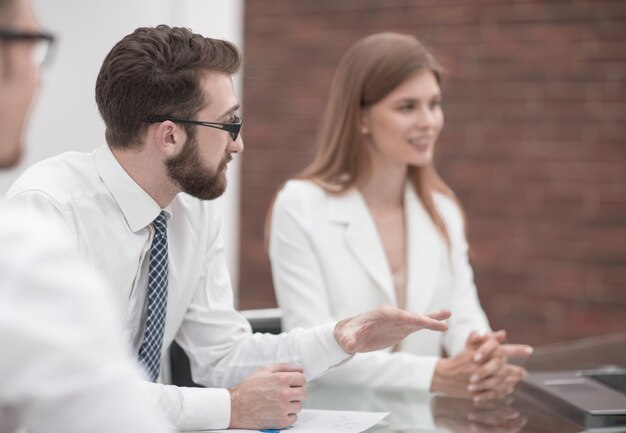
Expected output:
(370, 222)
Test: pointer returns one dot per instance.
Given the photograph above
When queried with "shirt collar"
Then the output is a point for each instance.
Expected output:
(138, 207)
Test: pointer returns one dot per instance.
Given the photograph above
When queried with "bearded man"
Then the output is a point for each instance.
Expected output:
(140, 209)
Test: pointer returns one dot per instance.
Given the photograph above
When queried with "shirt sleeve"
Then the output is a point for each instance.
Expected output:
(209, 408)
(65, 367)
(222, 349)
(36, 202)
(191, 408)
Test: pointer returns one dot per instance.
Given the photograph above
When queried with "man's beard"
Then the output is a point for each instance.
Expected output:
(187, 172)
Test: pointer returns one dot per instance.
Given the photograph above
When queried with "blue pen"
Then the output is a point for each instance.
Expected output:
(275, 431)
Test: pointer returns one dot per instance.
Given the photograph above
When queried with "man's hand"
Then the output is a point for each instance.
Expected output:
(384, 327)
(270, 398)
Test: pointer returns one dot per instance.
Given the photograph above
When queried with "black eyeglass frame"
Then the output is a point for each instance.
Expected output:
(12, 35)
(232, 128)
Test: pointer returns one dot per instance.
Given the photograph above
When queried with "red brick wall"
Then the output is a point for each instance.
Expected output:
(534, 143)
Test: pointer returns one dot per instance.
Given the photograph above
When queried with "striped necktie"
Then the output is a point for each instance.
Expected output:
(150, 350)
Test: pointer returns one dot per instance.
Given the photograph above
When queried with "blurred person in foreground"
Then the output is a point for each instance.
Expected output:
(140, 208)
(63, 364)
(370, 222)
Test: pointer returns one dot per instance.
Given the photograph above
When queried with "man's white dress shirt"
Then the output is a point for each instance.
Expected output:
(110, 216)
(64, 366)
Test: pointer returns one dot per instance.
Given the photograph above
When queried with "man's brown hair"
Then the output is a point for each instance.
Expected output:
(157, 71)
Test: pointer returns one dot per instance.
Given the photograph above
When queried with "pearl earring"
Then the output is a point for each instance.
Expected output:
(364, 130)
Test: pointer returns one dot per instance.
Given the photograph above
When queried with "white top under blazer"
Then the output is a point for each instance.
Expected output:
(328, 263)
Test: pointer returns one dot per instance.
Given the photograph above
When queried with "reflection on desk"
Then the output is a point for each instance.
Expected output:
(412, 411)
(420, 412)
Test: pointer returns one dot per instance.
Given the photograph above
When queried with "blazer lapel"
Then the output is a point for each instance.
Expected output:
(362, 239)
(425, 247)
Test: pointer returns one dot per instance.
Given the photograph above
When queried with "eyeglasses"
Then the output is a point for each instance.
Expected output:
(42, 43)
(233, 127)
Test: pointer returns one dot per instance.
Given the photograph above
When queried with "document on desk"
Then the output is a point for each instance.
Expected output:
(325, 421)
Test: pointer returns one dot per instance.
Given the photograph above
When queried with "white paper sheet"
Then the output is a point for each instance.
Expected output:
(325, 421)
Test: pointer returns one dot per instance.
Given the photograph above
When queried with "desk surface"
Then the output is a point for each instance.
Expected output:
(411, 411)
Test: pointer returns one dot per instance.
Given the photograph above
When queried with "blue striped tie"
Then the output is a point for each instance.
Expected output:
(150, 350)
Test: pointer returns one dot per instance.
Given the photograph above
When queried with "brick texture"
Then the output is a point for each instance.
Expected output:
(534, 143)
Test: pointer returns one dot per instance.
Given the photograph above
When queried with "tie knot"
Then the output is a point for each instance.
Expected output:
(160, 222)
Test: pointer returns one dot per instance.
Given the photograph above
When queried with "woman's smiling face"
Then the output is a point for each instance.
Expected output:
(403, 127)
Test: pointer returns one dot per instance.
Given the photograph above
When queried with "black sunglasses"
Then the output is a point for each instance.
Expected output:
(43, 41)
(233, 127)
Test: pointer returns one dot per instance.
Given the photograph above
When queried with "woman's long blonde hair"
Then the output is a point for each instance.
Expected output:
(369, 71)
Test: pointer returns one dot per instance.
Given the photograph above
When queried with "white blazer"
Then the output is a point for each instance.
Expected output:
(328, 263)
